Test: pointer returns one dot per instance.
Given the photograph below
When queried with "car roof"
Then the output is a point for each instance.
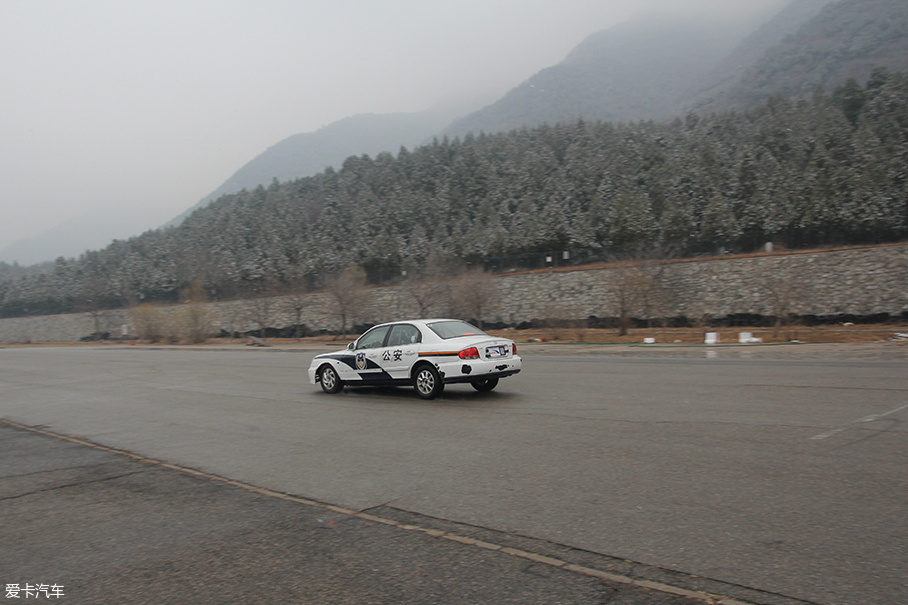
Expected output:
(423, 322)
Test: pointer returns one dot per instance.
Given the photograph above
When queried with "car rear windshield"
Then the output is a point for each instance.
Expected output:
(455, 329)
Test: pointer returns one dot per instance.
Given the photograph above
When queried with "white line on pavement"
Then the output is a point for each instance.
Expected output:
(870, 418)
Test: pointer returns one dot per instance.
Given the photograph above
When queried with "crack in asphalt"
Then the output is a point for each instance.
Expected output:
(50, 470)
(69, 485)
(810, 386)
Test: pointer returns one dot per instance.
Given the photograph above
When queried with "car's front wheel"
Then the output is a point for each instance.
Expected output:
(427, 382)
(485, 384)
(330, 381)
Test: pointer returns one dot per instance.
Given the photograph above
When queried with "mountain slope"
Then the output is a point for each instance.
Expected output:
(772, 33)
(90, 230)
(306, 154)
(847, 39)
(633, 71)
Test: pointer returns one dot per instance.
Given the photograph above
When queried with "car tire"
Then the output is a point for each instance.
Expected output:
(485, 384)
(427, 382)
(330, 381)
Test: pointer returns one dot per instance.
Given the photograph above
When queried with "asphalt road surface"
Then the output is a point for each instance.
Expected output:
(778, 469)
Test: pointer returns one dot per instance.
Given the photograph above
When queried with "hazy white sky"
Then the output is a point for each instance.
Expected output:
(140, 108)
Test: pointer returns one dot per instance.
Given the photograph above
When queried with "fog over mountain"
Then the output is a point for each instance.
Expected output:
(144, 107)
(633, 71)
(657, 67)
(772, 33)
(306, 154)
(89, 230)
(639, 69)
(652, 68)
(846, 39)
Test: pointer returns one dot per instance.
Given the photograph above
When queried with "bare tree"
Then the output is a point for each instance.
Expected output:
(472, 293)
(101, 319)
(191, 318)
(348, 291)
(582, 326)
(630, 286)
(429, 285)
(294, 303)
(429, 294)
(260, 312)
(660, 296)
(95, 302)
(232, 317)
(784, 291)
(700, 296)
(555, 321)
(149, 321)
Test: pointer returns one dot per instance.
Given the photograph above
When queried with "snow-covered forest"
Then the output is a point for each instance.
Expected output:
(828, 170)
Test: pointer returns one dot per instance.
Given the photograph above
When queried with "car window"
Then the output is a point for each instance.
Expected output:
(455, 328)
(403, 334)
(373, 338)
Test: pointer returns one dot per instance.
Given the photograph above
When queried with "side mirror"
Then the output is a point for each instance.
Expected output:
(350, 346)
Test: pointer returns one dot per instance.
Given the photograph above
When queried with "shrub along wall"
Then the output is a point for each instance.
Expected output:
(852, 283)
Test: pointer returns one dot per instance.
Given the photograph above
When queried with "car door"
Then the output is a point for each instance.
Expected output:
(367, 355)
(401, 350)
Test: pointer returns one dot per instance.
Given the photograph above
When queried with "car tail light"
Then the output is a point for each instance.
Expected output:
(470, 353)
(514, 349)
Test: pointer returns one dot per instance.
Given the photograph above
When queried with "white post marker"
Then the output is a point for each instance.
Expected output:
(747, 338)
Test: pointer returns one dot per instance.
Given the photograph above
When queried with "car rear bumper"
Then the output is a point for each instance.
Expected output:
(456, 379)
(468, 371)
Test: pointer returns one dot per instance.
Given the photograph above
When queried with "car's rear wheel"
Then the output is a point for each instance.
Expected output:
(427, 382)
(330, 381)
(485, 384)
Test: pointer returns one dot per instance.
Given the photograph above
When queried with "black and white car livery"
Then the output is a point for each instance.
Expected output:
(426, 354)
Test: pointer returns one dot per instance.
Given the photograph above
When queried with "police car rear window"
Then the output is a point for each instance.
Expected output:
(455, 329)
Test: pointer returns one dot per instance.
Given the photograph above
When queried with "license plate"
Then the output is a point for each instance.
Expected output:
(500, 351)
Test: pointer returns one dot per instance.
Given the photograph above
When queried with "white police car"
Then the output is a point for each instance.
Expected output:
(425, 353)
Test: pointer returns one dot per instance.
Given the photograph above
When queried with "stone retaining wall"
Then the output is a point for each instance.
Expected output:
(855, 281)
